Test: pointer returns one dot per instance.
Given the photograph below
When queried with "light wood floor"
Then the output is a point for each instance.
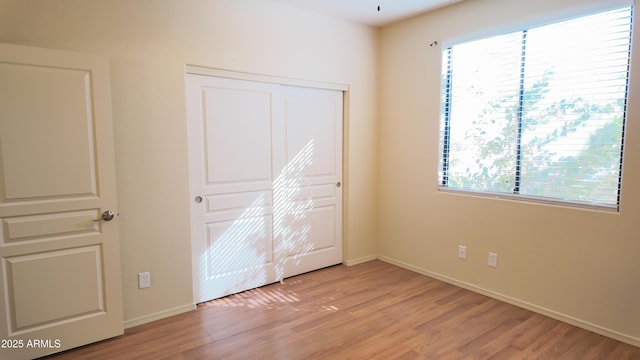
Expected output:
(369, 311)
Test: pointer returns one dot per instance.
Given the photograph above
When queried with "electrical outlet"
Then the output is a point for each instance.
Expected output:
(144, 280)
(462, 251)
(493, 259)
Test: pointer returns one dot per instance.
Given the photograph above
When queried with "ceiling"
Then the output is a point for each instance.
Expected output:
(366, 11)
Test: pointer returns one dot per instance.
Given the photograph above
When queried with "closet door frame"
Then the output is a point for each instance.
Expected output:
(218, 73)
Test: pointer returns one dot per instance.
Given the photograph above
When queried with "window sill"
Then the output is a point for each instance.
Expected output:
(533, 200)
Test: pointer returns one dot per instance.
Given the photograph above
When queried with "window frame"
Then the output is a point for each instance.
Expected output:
(445, 122)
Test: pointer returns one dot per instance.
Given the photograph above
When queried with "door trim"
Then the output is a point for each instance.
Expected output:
(237, 75)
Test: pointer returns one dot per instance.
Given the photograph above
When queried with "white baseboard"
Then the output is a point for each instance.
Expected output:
(159, 315)
(360, 260)
(516, 302)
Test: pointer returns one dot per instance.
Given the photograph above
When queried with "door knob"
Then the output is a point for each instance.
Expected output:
(107, 215)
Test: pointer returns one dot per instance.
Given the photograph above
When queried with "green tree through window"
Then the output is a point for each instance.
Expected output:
(539, 113)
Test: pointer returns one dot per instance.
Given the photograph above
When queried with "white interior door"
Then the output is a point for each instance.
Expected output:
(60, 283)
(264, 163)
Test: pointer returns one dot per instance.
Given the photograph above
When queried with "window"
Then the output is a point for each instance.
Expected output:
(539, 114)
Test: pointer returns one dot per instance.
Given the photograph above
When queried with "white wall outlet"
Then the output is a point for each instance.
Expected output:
(493, 259)
(462, 251)
(144, 280)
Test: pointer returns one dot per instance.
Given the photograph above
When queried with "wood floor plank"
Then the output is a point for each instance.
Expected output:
(368, 311)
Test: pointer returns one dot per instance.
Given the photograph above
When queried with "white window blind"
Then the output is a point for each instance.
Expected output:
(539, 113)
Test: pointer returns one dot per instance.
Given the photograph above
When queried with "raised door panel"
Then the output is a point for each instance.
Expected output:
(311, 240)
(239, 256)
(51, 286)
(313, 120)
(42, 158)
(237, 124)
(43, 227)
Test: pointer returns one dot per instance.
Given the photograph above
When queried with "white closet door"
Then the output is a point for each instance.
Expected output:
(308, 192)
(230, 125)
(264, 163)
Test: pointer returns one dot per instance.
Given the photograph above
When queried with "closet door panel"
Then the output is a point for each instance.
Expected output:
(311, 201)
(230, 153)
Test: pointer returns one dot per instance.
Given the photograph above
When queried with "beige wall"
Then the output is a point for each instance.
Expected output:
(578, 265)
(148, 43)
